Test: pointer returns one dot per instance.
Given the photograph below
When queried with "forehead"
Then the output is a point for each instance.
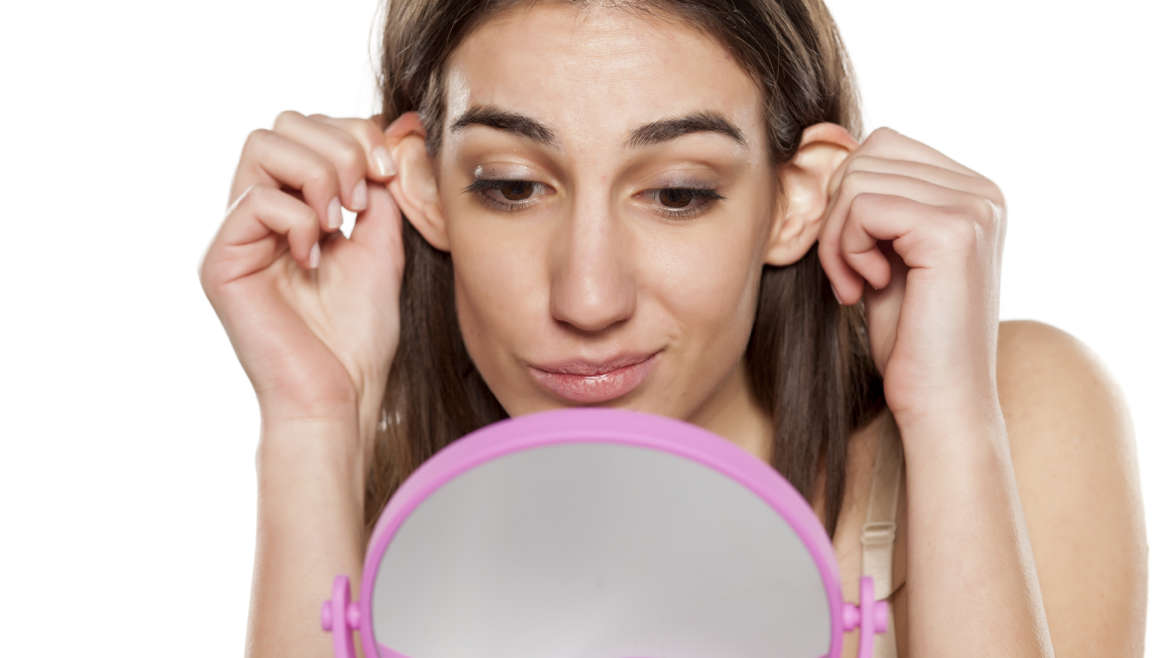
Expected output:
(590, 72)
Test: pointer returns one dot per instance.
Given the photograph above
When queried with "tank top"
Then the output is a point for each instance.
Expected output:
(877, 535)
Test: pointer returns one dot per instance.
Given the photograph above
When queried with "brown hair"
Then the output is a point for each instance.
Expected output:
(808, 357)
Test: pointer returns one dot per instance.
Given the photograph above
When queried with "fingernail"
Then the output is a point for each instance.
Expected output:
(359, 196)
(315, 255)
(384, 161)
(334, 213)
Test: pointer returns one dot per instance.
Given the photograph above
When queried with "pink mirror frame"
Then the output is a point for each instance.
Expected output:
(583, 424)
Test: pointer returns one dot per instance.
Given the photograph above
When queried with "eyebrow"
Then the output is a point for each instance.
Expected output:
(655, 132)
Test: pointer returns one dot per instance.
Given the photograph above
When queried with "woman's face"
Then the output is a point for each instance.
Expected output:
(581, 257)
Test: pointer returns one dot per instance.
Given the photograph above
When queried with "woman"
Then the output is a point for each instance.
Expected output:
(596, 185)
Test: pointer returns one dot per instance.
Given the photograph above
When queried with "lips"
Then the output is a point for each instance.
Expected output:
(586, 367)
(580, 380)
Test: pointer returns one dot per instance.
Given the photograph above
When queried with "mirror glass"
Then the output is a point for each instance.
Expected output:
(598, 549)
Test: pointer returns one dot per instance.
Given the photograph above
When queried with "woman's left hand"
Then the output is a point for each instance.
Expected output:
(927, 235)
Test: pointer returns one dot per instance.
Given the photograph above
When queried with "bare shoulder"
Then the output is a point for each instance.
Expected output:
(1058, 395)
(1074, 458)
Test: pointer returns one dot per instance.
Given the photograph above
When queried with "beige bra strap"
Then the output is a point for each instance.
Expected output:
(877, 535)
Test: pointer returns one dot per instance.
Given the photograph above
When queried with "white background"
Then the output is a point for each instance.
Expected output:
(126, 473)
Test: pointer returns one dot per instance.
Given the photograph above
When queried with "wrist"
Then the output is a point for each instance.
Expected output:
(321, 452)
(963, 433)
(952, 408)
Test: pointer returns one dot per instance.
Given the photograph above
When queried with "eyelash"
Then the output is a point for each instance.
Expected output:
(481, 186)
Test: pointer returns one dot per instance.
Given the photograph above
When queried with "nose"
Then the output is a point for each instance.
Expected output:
(593, 283)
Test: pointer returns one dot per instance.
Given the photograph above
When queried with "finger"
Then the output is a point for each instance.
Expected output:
(260, 213)
(294, 165)
(370, 135)
(890, 143)
(842, 267)
(248, 172)
(379, 227)
(921, 170)
(840, 274)
(877, 218)
(860, 248)
(337, 146)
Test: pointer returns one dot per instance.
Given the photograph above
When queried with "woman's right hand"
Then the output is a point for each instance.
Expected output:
(316, 342)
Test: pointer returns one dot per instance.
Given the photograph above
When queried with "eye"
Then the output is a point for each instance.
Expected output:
(674, 198)
(677, 201)
(513, 191)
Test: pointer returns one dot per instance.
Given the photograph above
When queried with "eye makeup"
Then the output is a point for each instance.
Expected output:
(686, 192)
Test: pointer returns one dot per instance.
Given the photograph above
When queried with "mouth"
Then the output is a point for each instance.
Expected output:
(589, 382)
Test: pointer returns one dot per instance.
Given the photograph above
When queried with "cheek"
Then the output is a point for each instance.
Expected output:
(497, 288)
(707, 281)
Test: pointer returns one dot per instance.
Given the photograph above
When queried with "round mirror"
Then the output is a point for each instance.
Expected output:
(598, 533)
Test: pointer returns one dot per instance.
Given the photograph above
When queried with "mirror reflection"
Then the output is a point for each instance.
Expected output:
(598, 549)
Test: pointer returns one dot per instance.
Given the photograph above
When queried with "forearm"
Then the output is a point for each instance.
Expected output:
(309, 522)
(972, 586)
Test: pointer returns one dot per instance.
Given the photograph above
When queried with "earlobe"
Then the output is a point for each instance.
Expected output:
(804, 186)
(414, 188)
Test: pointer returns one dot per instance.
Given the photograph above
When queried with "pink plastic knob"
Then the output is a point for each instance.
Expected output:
(871, 616)
(340, 607)
(851, 616)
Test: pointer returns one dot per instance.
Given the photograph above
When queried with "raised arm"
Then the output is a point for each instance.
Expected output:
(308, 530)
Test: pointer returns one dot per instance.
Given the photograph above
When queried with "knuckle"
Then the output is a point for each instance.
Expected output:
(989, 189)
(256, 137)
(995, 212)
(958, 234)
(321, 177)
(882, 134)
(997, 195)
(285, 117)
(353, 160)
(988, 211)
(981, 211)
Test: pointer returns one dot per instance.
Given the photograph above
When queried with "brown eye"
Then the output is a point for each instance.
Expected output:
(676, 197)
(513, 190)
(676, 201)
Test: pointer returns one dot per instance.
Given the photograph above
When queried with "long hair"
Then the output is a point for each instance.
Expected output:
(808, 357)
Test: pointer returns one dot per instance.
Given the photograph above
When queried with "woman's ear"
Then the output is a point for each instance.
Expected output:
(415, 188)
(805, 193)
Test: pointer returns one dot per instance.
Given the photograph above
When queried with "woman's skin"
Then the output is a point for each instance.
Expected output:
(589, 268)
